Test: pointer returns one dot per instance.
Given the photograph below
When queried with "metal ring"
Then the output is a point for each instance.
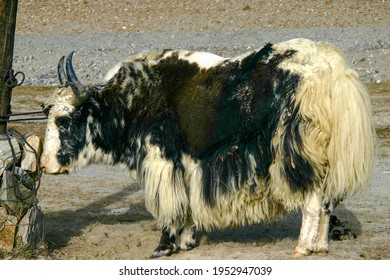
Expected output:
(11, 80)
(23, 77)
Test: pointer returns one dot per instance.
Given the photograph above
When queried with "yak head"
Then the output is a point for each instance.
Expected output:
(67, 142)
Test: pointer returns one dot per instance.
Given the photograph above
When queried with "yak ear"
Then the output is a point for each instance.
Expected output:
(67, 77)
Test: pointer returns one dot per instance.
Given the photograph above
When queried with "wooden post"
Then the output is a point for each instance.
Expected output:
(8, 10)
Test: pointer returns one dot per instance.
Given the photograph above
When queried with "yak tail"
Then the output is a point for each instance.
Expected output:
(351, 148)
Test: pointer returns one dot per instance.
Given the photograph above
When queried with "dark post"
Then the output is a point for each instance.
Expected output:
(8, 10)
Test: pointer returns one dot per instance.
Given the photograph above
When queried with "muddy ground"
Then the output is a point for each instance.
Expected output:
(98, 212)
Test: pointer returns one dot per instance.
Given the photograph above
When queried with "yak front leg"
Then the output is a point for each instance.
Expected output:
(311, 211)
(187, 238)
(167, 244)
(171, 243)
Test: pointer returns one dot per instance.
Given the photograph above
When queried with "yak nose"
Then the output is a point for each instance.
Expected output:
(50, 166)
(43, 163)
(43, 168)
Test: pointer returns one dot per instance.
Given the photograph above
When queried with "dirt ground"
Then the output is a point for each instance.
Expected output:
(98, 212)
(86, 16)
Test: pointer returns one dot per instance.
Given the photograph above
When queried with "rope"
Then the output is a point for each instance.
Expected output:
(19, 177)
(24, 120)
(27, 113)
(5, 119)
(10, 79)
(12, 133)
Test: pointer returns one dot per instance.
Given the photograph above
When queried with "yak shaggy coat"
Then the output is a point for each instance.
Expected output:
(222, 142)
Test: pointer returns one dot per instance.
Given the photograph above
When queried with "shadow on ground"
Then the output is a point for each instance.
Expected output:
(59, 231)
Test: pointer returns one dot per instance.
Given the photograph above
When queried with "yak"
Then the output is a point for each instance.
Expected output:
(222, 142)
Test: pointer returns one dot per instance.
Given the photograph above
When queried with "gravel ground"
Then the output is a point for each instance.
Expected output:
(105, 32)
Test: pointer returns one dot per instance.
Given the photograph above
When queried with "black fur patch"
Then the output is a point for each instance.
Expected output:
(297, 169)
(72, 134)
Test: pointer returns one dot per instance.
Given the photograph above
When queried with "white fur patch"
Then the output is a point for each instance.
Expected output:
(112, 72)
(165, 193)
(203, 59)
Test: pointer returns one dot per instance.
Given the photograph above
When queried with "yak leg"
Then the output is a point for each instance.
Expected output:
(168, 241)
(311, 210)
(167, 244)
(323, 231)
(187, 238)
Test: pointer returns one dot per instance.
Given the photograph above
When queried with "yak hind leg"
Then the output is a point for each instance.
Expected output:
(323, 229)
(311, 212)
(167, 245)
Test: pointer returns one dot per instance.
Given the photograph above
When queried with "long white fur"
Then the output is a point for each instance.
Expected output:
(235, 209)
(165, 193)
(340, 138)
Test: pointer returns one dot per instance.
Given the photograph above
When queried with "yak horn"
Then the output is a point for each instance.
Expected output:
(61, 73)
(78, 88)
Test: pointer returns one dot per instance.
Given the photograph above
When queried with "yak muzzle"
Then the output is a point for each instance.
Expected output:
(51, 166)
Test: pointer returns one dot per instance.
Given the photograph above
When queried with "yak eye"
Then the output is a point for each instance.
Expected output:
(63, 122)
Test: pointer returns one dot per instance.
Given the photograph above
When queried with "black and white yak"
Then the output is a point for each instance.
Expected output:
(219, 142)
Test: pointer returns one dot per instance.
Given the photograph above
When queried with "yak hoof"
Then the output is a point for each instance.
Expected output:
(167, 245)
(323, 251)
(187, 248)
(164, 251)
(159, 254)
(297, 255)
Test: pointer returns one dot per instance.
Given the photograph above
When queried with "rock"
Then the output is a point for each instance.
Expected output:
(31, 228)
(9, 153)
(17, 191)
(7, 230)
(32, 151)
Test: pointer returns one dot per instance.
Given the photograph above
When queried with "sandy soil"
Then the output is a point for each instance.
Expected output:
(98, 213)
